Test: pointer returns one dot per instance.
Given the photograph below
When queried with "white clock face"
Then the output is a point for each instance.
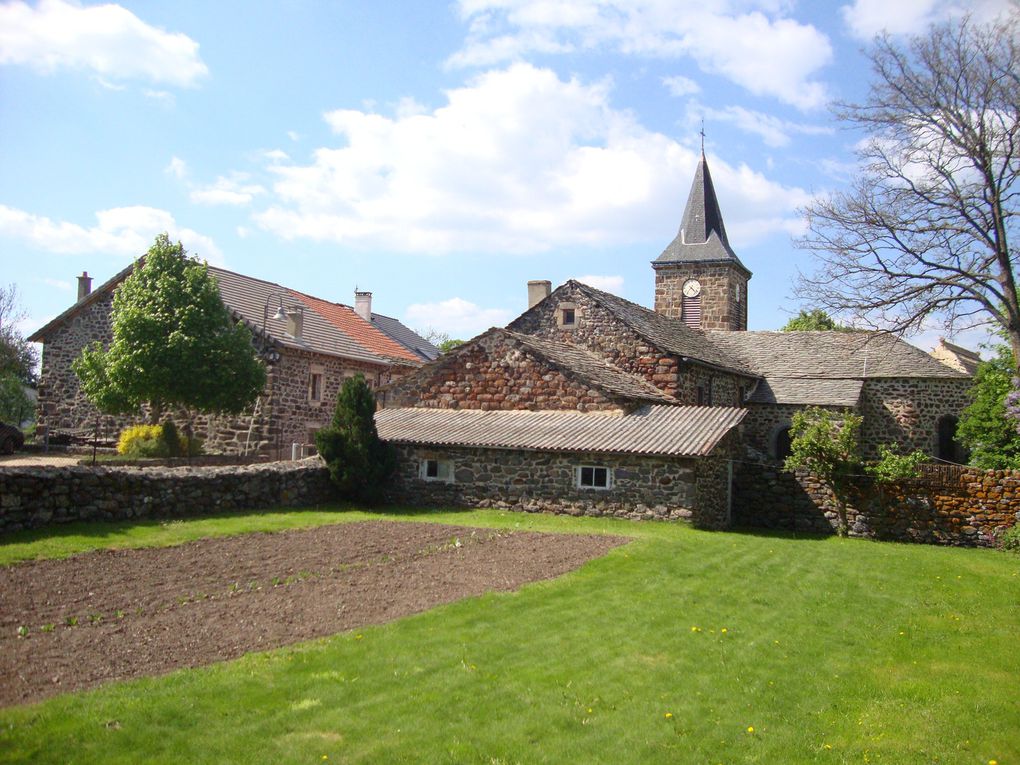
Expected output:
(692, 288)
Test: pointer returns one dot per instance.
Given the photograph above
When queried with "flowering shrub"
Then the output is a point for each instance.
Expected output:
(1010, 539)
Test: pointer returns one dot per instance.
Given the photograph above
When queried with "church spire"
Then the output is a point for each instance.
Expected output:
(702, 235)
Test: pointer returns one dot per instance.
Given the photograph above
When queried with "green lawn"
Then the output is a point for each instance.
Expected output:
(681, 647)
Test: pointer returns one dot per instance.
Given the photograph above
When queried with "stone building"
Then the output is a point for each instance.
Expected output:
(309, 346)
(589, 403)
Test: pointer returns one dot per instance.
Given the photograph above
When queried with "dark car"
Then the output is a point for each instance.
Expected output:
(10, 438)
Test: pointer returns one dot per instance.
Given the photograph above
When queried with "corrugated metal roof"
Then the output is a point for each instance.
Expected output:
(678, 431)
(811, 391)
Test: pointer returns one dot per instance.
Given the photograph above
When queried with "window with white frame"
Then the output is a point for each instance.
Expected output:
(594, 477)
(566, 315)
(436, 470)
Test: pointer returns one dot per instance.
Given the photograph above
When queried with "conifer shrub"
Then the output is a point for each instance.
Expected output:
(359, 461)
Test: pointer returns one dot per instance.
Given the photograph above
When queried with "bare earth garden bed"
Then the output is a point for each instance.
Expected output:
(118, 614)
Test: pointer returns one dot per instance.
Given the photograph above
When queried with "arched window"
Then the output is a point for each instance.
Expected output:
(781, 443)
(949, 448)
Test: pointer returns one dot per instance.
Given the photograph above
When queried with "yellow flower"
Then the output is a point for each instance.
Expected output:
(669, 715)
(826, 746)
(723, 630)
(750, 729)
(993, 762)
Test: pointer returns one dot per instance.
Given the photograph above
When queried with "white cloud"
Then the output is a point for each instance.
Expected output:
(177, 167)
(234, 191)
(751, 43)
(867, 18)
(457, 317)
(107, 40)
(58, 284)
(612, 284)
(772, 130)
(516, 161)
(123, 231)
(680, 86)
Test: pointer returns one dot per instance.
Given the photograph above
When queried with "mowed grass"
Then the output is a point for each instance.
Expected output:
(682, 647)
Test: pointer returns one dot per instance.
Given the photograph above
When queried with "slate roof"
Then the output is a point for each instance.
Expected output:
(702, 234)
(669, 335)
(828, 355)
(678, 431)
(590, 368)
(809, 391)
(408, 338)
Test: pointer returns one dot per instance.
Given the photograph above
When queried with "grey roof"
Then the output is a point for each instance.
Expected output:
(407, 337)
(669, 335)
(702, 235)
(808, 391)
(828, 355)
(590, 368)
(679, 431)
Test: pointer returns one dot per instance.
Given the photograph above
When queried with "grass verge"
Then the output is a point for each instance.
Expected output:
(684, 646)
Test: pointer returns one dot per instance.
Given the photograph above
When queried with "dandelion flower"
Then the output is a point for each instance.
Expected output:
(750, 729)
(723, 630)
(669, 715)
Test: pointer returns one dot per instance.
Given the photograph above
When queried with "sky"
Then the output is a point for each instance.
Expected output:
(437, 154)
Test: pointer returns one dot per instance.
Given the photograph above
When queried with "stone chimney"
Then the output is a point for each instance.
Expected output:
(363, 304)
(84, 285)
(538, 290)
(295, 322)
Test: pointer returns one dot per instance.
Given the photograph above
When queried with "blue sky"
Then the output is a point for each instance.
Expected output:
(437, 154)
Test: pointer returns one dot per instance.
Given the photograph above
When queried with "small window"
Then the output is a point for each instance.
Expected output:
(591, 477)
(437, 470)
(315, 387)
(568, 317)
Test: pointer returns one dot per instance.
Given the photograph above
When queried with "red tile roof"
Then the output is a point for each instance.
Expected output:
(362, 332)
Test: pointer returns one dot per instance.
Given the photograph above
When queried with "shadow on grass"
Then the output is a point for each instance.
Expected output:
(754, 531)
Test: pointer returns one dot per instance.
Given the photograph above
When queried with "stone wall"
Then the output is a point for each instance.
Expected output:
(34, 496)
(900, 411)
(643, 488)
(719, 307)
(494, 372)
(970, 509)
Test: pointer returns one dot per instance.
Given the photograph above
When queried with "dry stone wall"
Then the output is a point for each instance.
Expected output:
(644, 488)
(971, 509)
(31, 496)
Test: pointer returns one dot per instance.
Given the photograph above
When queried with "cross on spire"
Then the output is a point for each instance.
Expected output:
(702, 133)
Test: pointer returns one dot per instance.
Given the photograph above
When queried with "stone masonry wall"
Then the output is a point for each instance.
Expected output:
(643, 488)
(34, 496)
(906, 411)
(970, 510)
(719, 307)
(496, 373)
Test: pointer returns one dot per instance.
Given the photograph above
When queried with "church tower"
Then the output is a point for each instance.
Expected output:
(699, 278)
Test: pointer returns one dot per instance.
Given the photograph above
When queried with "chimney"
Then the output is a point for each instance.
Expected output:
(84, 285)
(538, 290)
(295, 322)
(363, 304)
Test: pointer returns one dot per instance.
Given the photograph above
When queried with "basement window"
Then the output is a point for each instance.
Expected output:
(436, 470)
(593, 477)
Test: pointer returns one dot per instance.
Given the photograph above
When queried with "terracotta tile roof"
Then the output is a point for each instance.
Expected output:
(677, 431)
(362, 332)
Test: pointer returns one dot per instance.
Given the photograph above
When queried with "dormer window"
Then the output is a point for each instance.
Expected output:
(567, 315)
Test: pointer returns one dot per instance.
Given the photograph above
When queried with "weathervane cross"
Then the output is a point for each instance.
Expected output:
(702, 133)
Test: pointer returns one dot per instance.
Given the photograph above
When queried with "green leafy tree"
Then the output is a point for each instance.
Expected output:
(813, 320)
(449, 344)
(18, 361)
(359, 461)
(174, 343)
(985, 427)
(825, 443)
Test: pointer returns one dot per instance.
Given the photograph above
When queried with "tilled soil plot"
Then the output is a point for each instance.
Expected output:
(117, 614)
